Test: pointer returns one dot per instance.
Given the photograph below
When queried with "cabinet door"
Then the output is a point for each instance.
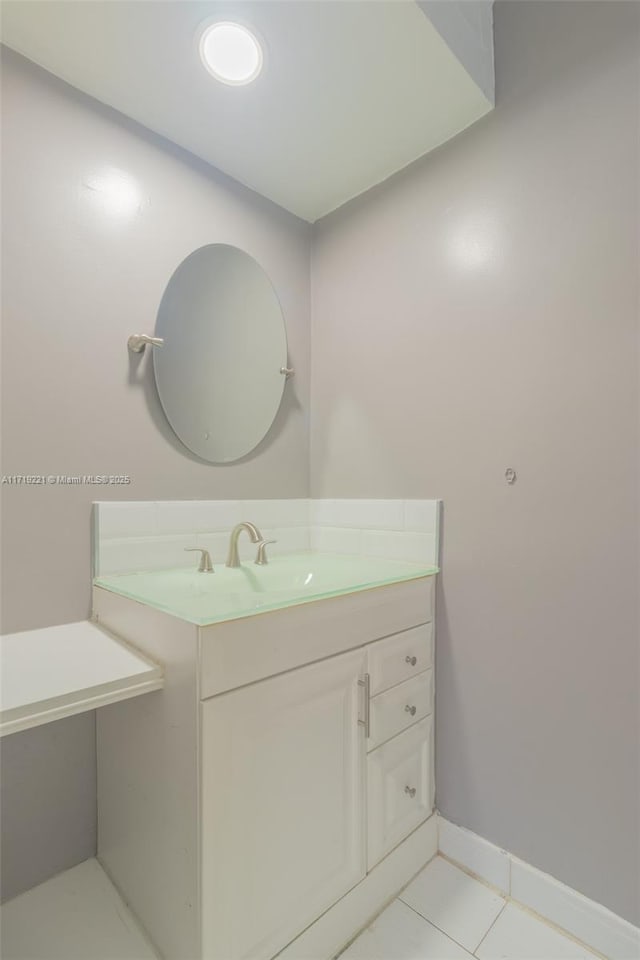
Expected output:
(400, 788)
(282, 801)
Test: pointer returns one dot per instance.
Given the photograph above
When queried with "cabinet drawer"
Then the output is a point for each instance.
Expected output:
(399, 657)
(399, 788)
(401, 706)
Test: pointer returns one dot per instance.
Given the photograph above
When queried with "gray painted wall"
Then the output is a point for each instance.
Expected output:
(479, 311)
(48, 797)
(77, 280)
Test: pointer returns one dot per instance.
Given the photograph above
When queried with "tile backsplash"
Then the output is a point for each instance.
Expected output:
(393, 529)
(153, 535)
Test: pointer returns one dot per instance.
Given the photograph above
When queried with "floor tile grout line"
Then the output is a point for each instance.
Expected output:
(484, 937)
(484, 883)
(436, 927)
(507, 901)
(386, 906)
(474, 876)
(547, 921)
(474, 953)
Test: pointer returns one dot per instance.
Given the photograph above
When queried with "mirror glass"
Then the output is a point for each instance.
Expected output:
(219, 371)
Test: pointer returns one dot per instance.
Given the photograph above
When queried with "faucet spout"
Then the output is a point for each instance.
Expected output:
(233, 560)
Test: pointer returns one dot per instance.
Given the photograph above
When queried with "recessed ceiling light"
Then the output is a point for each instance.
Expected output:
(231, 53)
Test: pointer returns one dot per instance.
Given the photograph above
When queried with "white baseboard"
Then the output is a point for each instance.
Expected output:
(345, 919)
(588, 921)
(476, 855)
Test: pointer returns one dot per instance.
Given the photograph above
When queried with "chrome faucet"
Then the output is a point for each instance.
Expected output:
(233, 560)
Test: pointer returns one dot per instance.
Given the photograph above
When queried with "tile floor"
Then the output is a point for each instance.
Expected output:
(444, 914)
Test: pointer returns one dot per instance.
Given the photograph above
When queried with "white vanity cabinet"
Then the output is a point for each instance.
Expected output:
(279, 790)
(282, 802)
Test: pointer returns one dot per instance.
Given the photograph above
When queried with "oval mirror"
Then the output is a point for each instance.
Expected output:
(218, 373)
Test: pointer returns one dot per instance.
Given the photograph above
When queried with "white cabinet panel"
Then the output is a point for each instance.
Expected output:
(282, 799)
(399, 657)
(399, 788)
(400, 707)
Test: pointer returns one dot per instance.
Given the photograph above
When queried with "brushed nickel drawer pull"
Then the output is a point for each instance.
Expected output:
(411, 710)
(366, 723)
(411, 791)
(411, 660)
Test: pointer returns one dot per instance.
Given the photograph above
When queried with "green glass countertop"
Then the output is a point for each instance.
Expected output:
(245, 591)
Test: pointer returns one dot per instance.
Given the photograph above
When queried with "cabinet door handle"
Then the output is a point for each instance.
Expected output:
(411, 791)
(411, 710)
(366, 723)
(411, 660)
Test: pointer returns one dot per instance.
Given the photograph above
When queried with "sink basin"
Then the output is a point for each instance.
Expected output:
(228, 594)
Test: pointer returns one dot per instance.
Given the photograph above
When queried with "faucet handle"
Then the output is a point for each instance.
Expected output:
(261, 557)
(205, 565)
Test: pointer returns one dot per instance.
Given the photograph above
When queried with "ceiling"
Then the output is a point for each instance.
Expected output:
(350, 92)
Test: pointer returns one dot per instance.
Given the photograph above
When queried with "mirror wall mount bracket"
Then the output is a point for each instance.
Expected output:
(138, 341)
(287, 372)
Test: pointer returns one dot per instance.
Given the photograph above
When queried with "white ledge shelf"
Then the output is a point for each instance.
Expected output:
(60, 671)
